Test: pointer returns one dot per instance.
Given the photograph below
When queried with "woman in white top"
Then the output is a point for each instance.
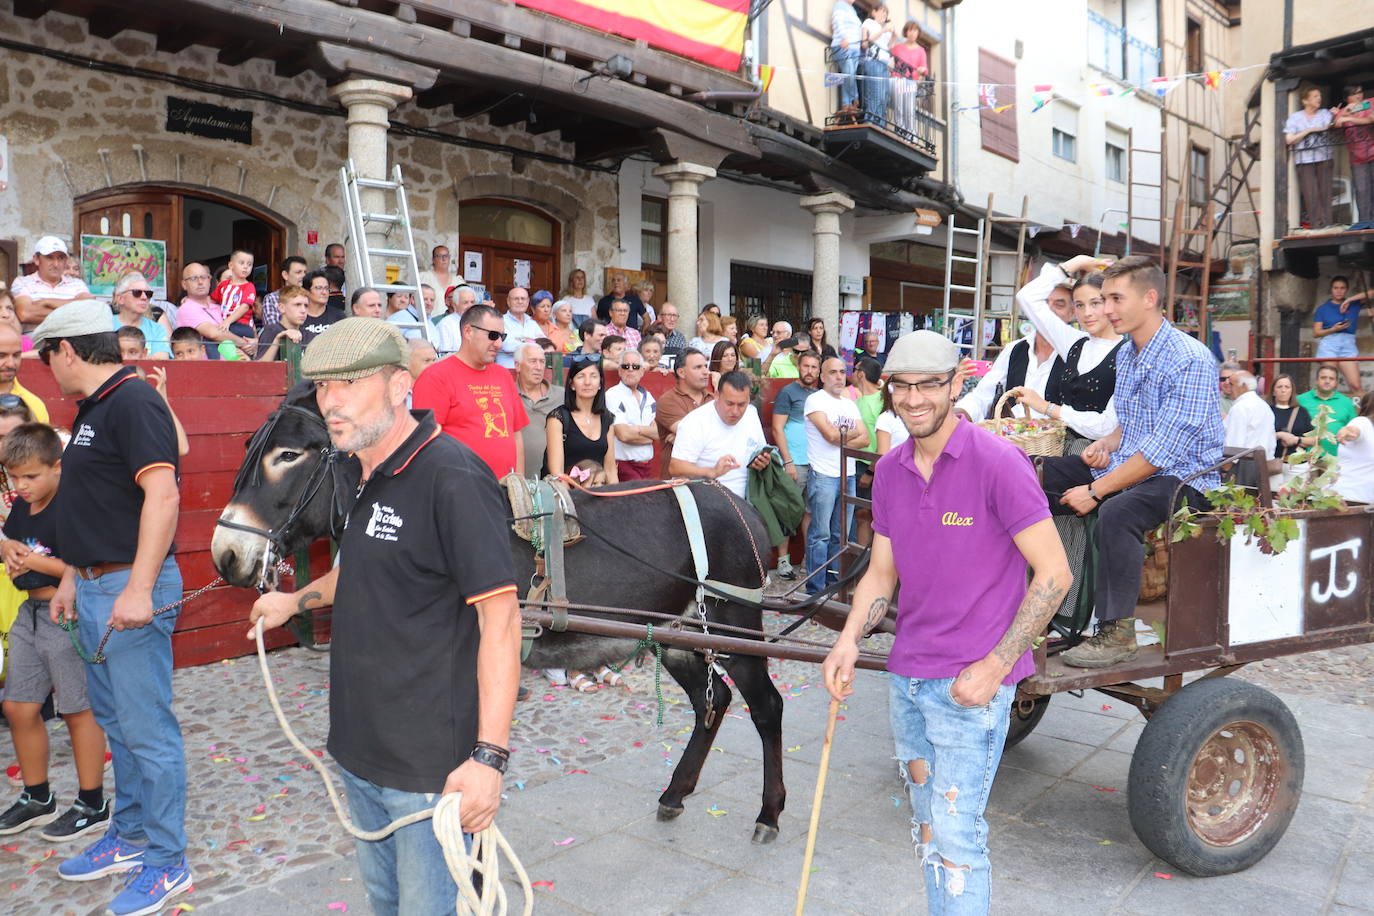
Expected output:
(583, 304)
(1355, 457)
(876, 65)
(888, 430)
(1084, 399)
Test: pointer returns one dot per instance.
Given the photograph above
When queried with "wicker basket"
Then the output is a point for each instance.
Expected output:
(1154, 578)
(1048, 439)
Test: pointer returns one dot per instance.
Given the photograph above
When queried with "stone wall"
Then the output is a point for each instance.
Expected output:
(73, 131)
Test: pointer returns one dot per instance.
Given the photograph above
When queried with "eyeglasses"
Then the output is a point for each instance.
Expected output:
(140, 293)
(1223, 378)
(45, 352)
(493, 336)
(928, 387)
(631, 367)
(189, 277)
(11, 402)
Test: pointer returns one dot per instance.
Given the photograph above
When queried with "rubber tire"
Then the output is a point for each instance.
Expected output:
(1157, 791)
(1021, 727)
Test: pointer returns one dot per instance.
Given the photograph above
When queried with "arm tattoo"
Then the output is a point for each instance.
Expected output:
(876, 612)
(306, 599)
(1039, 605)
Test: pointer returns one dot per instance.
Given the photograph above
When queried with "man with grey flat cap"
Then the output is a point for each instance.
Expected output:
(122, 463)
(425, 647)
(958, 515)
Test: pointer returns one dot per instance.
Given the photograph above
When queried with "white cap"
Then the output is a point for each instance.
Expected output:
(50, 244)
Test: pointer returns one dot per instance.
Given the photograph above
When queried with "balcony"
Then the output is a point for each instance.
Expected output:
(891, 131)
(1350, 238)
(1118, 53)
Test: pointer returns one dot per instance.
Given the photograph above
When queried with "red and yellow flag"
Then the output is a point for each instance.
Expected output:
(766, 74)
(709, 31)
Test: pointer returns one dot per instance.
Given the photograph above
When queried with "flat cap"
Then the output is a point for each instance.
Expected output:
(922, 352)
(77, 318)
(354, 348)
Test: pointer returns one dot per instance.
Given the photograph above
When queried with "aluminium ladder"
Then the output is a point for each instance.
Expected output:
(992, 299)
(396, 223)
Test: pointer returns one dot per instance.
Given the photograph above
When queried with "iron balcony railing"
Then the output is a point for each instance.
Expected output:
(886, 95)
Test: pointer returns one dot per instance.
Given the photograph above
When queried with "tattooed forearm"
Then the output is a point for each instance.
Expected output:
(1041, 601)
(876, 612)
(306, 599)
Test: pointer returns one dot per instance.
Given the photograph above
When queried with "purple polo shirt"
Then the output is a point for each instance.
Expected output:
(962, 576)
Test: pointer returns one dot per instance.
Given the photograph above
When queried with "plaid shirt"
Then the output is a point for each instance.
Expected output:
(1170, 410)
(271, 308)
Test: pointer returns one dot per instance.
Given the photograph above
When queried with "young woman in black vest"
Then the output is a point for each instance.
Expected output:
(1081, 395)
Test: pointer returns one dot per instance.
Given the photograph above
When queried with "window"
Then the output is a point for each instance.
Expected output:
(999, 129)
(1064, 131)
(1192, 47)
(1199, 176)
(1116, 163)
(653, 232)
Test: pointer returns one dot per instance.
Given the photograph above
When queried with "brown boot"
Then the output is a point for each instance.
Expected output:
(1113, 644)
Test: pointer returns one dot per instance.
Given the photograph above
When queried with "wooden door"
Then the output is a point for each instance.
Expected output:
(500, 266)
(138, 215)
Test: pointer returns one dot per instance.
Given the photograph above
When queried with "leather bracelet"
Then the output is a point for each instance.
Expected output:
(487, 757)
(503, 752)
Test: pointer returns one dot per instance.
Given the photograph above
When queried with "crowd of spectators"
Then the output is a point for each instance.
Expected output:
(882, 70)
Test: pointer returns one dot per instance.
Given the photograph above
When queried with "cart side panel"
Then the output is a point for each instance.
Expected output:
(1340, 568)
(1196, 576)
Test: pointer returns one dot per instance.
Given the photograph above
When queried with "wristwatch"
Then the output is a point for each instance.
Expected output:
(488, 757)
(1093, 493)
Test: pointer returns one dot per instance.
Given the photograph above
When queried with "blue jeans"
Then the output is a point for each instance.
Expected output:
(847, 62)
(131, 696)
(823, 534)
(961, 747)
(874, 89)
(406, 872)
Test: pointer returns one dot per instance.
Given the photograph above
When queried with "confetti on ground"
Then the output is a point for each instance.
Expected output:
(716, 812)
(1106, 706)
(794, 748)
(339, 905)
(715, 748)
(1103, 789)
(568, 842)
(1165, 875)
(548, 884)
(520, 784)
(896, 802)
(608, 718)
(1105, 843)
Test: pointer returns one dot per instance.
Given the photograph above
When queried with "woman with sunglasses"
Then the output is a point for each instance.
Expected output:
(1083, 397)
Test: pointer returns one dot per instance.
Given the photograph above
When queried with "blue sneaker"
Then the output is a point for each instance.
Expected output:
(105, 856)
(149, 888)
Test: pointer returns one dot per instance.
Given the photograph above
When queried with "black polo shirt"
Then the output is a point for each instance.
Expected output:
(403, 653)
(121, 431)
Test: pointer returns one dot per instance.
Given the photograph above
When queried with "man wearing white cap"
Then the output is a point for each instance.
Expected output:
(957, 515)
(48, 287)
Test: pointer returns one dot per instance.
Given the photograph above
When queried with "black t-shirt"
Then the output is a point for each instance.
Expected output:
(269, 334)
(316, 324)
(39, 533)
(576, 446)
(426, 539)
(122, 430)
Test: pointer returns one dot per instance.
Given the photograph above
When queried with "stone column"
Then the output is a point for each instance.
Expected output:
(684, 189)
(369, 103)
(825, 270)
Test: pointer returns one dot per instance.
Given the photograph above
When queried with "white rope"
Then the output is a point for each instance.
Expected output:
(487, 845)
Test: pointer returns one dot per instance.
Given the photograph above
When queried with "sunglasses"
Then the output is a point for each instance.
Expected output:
(140, 293)
(631, 367)
(46, 351)
(493, 336)
(11, 402)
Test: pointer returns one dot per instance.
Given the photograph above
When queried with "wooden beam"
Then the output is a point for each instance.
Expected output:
(107, 24)
(177, 40)
(553, 119)
(30, 9)
(489, 65)
(346, 60)
(610, 144)
(241, 52)
(291, 65)
(508, 113)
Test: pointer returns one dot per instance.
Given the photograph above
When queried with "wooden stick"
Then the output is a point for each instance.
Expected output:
(816, 805)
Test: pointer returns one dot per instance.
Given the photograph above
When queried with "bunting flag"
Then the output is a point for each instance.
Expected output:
(1101, 90)
(1163, 85)
(766, 74)
(709, 31)
(987, 95)
(1041, 95)
(1212, 79)
(998, 109)
(1075, 228)
(1033, 231)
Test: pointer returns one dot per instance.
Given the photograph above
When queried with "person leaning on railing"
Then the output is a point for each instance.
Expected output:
(876, 66)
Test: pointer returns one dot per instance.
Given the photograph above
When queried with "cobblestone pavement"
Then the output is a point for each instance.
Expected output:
(588, 768)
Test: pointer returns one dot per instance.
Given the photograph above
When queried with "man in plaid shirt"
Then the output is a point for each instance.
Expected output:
(1170, 413)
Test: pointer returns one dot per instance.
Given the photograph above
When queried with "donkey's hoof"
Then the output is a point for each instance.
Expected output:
(763, 834)
(668, 813)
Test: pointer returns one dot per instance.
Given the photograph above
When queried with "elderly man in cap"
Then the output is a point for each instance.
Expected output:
(425, 650)
(122, 458)
(957, 516)
(48, 287)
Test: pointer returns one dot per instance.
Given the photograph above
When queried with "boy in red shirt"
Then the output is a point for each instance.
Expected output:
(237, 294)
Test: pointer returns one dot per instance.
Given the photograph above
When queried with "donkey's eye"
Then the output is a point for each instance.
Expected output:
(286, 457)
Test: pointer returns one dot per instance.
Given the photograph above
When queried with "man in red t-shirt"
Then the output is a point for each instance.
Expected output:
(475, 401)
(1357, 117)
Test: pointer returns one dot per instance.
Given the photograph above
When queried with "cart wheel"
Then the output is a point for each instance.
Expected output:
(1025, 715)
(1216, 777)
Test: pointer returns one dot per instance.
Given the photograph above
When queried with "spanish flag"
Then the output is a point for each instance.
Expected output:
(766, 74)
(709, 31)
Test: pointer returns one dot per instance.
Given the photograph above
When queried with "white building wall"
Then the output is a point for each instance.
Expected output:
(1052, 49)
(738, 222)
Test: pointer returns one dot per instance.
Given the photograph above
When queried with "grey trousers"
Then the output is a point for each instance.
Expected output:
(1362, 177)
(1314, 188)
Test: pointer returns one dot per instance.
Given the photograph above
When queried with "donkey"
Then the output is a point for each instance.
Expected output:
(635, 556)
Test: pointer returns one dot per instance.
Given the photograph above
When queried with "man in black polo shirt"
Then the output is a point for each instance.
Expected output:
(425, 647)
(116, 517)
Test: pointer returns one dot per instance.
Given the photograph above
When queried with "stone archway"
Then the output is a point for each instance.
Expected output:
(577, 222)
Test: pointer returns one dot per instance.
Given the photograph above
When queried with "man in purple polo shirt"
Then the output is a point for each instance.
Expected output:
(957, 516)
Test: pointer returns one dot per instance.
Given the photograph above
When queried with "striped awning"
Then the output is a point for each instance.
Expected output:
(709, 31)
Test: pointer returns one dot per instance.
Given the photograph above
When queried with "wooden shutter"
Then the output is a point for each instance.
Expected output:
(999, 130)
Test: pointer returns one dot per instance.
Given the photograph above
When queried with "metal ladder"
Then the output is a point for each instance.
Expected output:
(397, 223)
(991, 299)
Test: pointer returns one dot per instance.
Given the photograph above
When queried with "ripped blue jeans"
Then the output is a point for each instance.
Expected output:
(948, 755)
